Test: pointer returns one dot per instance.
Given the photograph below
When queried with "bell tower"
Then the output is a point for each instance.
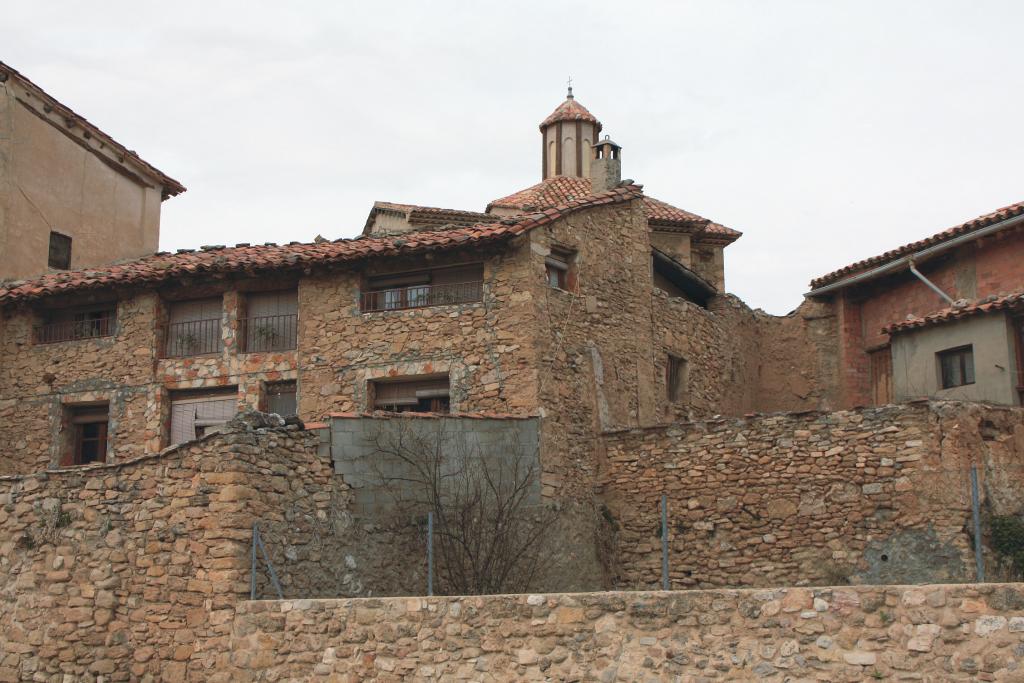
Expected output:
(568, 136)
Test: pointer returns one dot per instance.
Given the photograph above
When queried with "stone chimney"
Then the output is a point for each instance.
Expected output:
(606, 165)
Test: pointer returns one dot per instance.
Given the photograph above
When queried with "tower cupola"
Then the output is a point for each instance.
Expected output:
(568, 136)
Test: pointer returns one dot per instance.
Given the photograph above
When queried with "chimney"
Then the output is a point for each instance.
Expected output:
(606, 166)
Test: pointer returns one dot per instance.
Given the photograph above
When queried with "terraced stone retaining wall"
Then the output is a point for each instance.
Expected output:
(937, 632)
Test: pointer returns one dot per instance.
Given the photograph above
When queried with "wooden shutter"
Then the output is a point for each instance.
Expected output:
(203, 411)
(265, 304)
(200, 309)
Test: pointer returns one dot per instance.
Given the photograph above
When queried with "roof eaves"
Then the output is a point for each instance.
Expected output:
(983, 221)
(171, 187)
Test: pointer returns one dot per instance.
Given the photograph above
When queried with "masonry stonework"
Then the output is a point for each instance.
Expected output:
(868, 496)
(941, 632)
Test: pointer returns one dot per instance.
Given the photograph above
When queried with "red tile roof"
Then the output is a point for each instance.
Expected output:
(164, 267)
(171, 187)
(957, 230)
(989, 304)
(570, 110)
(558, 189)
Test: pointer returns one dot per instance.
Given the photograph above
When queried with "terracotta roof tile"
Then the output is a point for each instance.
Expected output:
(164, 267)
(570, 110)
(989, 304)
(559, 189)
(893, 254)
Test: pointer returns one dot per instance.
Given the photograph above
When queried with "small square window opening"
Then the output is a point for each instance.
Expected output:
(60, 251)
(956, 366)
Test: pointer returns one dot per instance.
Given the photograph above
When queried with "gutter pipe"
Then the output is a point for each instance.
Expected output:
(898, 264)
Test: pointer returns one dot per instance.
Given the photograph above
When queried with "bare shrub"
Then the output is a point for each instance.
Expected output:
(491, 531)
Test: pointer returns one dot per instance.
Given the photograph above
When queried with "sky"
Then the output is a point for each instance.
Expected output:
(826, 132)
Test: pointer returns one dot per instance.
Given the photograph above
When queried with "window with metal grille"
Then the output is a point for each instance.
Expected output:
(194, 328)
(76, 323)
(88, 430)
(281, 398)
(194, 413)
(270, 321)
(418, 394)
(438, 287)
(956, 366)
(60, 251)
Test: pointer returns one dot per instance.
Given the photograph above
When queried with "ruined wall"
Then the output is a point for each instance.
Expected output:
(947, 633)
(593, 339)
(741, 361)
(868, 496)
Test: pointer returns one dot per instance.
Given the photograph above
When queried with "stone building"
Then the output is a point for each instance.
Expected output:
(938, 318)
(592, 310)
(71, 196)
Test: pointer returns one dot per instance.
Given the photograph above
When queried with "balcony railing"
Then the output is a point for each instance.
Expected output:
(72, 330)
(268, 333)
(193, 338)
(419, 296)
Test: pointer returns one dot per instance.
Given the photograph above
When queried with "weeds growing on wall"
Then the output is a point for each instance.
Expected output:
(1006, 534)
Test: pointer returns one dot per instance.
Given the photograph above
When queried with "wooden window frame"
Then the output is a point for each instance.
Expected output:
(961, 353)
(426, 400)
(268, 392)
(79, 418)
(559, 268)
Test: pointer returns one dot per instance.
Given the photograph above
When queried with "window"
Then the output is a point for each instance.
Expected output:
(676, 378)
(194, 328)
(60, 251)
(557, 268)
(194, 413)
(270, 322)
(956, 366)
(77, 323)
(419, 394)
(88, 429)
(280, 398)
(438, 287)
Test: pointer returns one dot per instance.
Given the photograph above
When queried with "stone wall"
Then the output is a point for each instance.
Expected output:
(868, 496)
(131, 571)
(939, 632)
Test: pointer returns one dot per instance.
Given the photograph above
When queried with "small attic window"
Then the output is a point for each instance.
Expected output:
(60, 251)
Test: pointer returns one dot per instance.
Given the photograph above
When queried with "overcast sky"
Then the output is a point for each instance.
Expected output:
(825, 131)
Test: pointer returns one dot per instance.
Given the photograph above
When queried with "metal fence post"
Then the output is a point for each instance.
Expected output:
(975, 513)
(664, 542)
(430, 553)
(252, 576)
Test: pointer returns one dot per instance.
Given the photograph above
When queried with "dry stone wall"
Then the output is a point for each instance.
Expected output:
(932, 633)
(868, 496)
(131, 571)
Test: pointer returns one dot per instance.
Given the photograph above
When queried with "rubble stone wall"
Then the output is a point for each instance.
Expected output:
(876, 495)
(937, 632)
(132, 570)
